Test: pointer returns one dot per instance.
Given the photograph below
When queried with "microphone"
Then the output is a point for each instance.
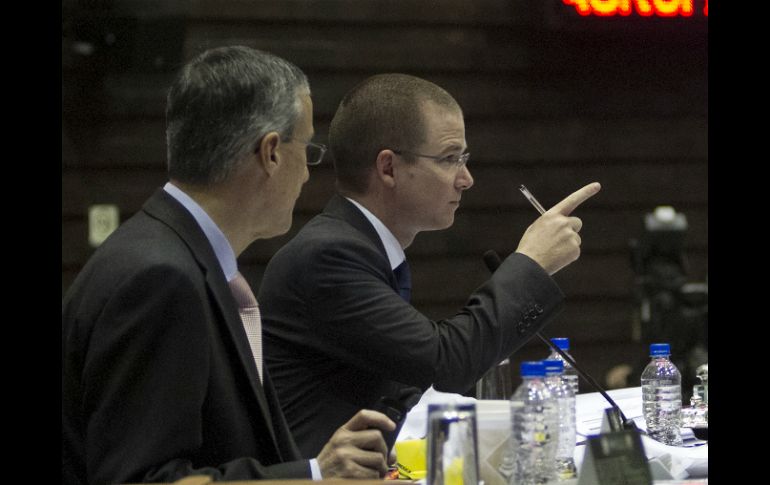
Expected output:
(493, 261)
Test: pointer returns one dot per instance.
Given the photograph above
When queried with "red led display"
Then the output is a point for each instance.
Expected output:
(645, 8)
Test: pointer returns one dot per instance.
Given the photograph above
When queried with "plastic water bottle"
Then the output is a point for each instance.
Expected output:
(565, 400)
(662, 396)
(570, 374)
(534, 421)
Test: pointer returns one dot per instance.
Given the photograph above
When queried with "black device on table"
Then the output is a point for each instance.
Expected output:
(396, 411)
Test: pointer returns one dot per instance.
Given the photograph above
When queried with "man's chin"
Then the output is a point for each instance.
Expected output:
(280, 229)
(445, 223)
(285, 229)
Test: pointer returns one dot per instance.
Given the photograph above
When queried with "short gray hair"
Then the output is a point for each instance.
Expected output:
(221, 105)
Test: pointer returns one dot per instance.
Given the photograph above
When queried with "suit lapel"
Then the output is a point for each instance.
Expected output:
(227, 305)
(167, 209)
(287, 447)
(342, 208)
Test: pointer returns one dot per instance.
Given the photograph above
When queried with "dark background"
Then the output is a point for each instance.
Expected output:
(551, 100)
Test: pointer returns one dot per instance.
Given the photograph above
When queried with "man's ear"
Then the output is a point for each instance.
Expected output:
(384, 168)
(267, 154)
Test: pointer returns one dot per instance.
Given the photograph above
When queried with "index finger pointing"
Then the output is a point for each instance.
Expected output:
(570, 203)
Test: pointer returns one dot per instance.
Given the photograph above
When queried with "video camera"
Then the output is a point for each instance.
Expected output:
(670, 309)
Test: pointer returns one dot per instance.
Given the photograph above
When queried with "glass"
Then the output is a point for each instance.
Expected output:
(452, 445)
(314, 151)
(496, 383)
(457, 160)
(697, 415)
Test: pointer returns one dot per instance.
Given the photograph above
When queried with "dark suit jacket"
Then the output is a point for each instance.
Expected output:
(157, 375)
(337, 335)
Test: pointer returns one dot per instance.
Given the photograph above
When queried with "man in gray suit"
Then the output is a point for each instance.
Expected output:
(162, 372)
(339, 330)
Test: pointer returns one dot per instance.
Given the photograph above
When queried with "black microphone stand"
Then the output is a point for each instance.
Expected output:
(619, 421)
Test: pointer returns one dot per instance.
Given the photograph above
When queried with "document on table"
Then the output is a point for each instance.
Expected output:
(690, 460)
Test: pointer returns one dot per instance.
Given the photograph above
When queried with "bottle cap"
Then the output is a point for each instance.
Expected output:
(532, 369)
(561, 342)
(553, 366)
(658, 350)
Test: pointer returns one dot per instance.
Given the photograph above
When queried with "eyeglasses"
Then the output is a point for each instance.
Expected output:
(315, 151)
(458, 161)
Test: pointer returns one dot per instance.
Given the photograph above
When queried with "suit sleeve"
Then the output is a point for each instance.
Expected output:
(362, 320)
(144, 384)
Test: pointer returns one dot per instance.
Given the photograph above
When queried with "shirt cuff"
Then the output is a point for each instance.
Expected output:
(315, 470)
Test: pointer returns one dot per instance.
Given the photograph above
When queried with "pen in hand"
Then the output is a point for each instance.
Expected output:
(531, 198)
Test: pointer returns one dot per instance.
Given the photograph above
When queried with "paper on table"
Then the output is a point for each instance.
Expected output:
(589, 408)
(682, 461)
(416, 423)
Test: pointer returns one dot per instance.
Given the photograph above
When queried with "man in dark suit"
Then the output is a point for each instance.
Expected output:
(339, 331)
(162, 371)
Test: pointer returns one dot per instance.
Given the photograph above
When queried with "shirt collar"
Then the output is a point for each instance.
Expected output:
(393, 249)
(220, 244)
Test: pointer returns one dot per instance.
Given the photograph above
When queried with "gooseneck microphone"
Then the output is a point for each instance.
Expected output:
(493, 261)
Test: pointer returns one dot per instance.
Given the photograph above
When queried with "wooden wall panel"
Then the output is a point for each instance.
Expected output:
(547, 104)
(383, 48)
(481, 95)
(362, 12)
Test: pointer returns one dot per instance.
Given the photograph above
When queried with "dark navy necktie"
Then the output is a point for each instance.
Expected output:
(404, 280)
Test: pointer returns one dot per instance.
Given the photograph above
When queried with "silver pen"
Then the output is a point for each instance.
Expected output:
(531, 198)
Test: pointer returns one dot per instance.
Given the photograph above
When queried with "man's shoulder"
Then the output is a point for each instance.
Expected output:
(140, 246)
(144, 240)
(326, 232)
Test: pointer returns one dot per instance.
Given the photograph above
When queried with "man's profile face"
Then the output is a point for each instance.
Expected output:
(429, 191)
(293, 170)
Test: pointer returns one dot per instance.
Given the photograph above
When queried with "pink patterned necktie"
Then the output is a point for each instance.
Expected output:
(252, 322)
